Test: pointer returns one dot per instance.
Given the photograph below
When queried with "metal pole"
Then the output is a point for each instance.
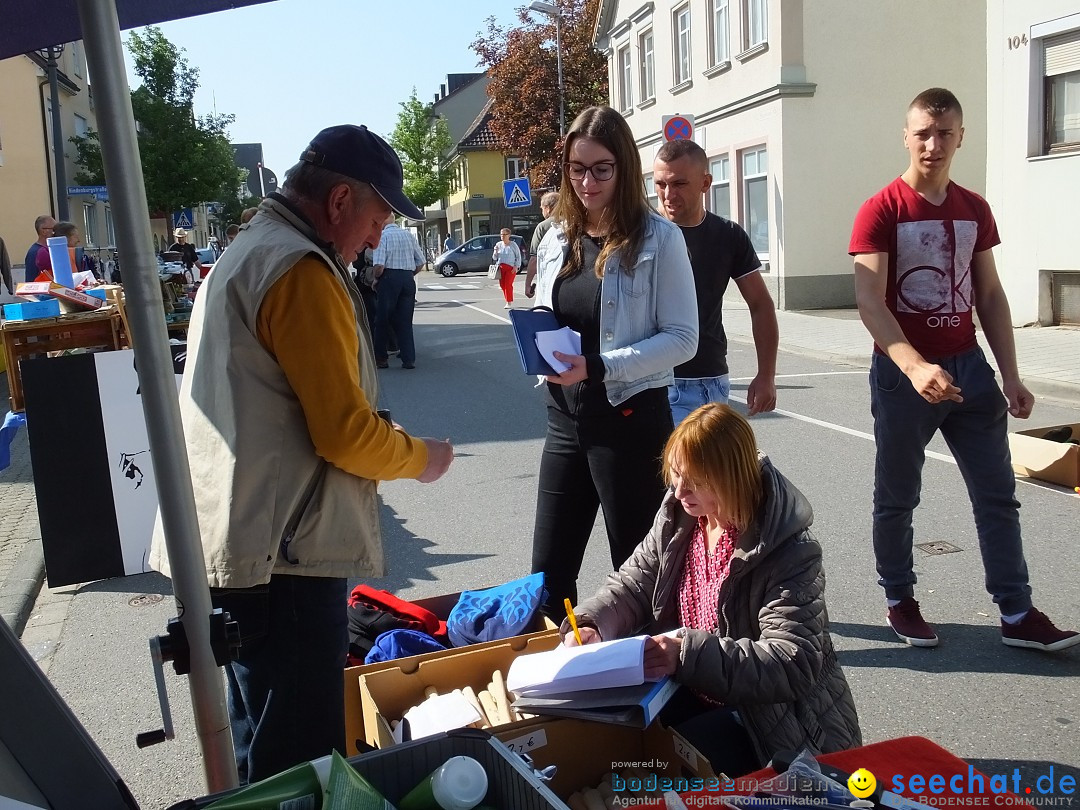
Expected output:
(558, 67)
(59, 168)
(120, 154)
(262, 182)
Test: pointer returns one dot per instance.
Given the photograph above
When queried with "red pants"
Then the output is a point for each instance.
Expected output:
(506, 281)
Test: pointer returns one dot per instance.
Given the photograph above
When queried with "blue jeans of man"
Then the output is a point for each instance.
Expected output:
(394, 305)
(687, 395)
(976, 431)
(285, 690)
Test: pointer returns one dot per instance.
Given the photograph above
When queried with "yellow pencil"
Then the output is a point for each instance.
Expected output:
(573, 621)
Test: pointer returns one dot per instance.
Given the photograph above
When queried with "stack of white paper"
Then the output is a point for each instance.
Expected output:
(565, 341)
(605, 665)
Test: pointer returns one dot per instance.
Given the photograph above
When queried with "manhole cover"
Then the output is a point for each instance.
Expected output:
(939, 547)
(145, 599)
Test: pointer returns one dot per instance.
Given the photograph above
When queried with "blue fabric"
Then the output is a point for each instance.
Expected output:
(496, 613)
(401, 644)
(12, 422)
(687, 395)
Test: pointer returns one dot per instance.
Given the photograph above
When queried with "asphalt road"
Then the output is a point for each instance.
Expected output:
(996, 706)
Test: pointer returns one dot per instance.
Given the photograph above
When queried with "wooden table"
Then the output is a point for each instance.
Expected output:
(86, 330)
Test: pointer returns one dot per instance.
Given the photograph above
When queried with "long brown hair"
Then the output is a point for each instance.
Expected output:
(714, 447)
(629, 209)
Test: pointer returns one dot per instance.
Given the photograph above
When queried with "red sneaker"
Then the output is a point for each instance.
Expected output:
(1036, 632)
(907, 622)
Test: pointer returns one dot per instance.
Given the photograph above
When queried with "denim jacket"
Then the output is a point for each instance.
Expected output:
(648, 316)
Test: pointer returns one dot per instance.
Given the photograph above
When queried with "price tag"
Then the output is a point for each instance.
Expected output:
(528, 742)
(685, 752)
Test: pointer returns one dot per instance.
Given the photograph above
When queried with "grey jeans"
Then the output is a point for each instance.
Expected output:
(976, 431)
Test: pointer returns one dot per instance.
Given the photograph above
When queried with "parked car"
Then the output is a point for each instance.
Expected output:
(475, 255)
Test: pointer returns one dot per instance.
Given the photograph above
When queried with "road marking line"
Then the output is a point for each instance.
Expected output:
(484, 311)
(869, 437)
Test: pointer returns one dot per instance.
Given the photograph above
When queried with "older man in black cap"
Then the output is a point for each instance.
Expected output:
(285, 445)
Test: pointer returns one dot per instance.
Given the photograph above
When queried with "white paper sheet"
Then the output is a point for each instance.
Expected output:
(438, 714)
(564, 340)
(572, 669)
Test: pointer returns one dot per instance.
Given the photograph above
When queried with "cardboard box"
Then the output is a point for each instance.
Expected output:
(441, 607)
(32, 310)
(70, 300)
(1035, 457)
(584, 753)
(392, 689)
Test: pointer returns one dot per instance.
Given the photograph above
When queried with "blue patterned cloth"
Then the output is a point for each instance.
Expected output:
(12, 422)
(401, 644)
(496, 613)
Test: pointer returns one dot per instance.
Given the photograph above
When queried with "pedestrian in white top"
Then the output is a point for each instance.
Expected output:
(508, 256)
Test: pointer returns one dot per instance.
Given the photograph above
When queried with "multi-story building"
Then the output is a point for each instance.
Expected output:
(27, 179)
(799, 105)
(1033, 154)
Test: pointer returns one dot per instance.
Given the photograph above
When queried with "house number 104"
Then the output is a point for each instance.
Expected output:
(1016, 42)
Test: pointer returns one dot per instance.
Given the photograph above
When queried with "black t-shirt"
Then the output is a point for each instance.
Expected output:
(187, 253)
(720, 250)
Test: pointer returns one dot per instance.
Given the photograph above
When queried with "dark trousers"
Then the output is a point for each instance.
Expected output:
(285, 691)
(976, 431)
(608, 460)
(394, 305)
(715, 731)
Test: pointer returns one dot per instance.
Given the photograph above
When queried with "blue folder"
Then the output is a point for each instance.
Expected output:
(525, 324)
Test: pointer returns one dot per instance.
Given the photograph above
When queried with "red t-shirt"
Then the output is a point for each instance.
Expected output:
(929, 286)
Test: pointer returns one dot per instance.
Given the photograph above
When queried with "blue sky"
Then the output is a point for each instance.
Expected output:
(288, 68)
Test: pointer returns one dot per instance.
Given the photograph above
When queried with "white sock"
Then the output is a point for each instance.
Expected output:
(893, 602)
(1014, 618)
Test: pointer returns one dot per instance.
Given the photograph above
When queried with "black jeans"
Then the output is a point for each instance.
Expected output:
(286, 689)
(610, 460)
(715, 731)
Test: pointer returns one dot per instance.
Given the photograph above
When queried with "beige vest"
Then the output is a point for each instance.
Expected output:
(256, 476)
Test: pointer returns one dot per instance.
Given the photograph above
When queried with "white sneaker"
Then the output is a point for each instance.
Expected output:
(507, 306)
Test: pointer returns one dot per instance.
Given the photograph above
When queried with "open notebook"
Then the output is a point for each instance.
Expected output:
(605, 665)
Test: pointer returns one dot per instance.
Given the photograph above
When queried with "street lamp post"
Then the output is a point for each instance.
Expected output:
(51, 55)
(551, 10)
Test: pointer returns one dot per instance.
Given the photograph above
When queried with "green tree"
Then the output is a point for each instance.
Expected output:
(422, 141)
(186, 159)
(521, 63)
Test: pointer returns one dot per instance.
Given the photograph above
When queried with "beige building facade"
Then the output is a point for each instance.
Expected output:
(799, 105)
(27, 185)
(1033, 151)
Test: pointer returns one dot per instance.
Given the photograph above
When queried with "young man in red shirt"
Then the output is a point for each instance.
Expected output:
(923, 264)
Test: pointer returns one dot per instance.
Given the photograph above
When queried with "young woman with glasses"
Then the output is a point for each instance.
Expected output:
(619, 274)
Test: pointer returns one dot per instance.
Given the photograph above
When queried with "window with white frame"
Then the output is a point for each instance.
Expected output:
(756, 15)
(680, 55)
(110, 228)
(720, 168)
(89, 211)
(515, 167)
(755, 188)
(1062, 92)
(721, 32)
(650, 192)
(648, 66)
(82, 126)
(626, 76)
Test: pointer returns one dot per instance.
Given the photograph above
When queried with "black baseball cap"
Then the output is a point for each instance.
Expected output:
(357, 152)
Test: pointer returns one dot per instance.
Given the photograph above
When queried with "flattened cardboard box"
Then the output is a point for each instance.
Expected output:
(1035, 457)
(389, 692)
(585, 752)
(441, 607)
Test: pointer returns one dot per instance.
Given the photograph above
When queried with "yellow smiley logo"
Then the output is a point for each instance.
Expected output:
(862, 783)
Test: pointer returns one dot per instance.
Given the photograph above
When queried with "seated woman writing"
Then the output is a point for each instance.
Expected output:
(731, 566)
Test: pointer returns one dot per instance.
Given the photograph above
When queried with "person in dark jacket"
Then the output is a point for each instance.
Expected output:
(729, 585)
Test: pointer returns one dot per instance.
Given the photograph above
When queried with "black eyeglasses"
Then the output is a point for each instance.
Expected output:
(599, 171)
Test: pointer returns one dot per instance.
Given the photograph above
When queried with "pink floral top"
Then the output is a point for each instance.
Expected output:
(703, 574)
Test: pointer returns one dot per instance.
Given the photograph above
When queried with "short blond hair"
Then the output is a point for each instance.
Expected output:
(714, 447)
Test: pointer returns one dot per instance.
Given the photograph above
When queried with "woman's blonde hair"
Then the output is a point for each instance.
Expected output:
(629, 209)
(714, 448)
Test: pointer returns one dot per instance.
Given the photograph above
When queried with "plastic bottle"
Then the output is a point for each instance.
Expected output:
(460, 783)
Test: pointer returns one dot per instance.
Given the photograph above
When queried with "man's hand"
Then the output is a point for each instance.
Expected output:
(1021, 400)
(934, 384)
(761, 395)
(530, 289)
(589, 635)
(661, 656)
(575, 374)
(440, 454)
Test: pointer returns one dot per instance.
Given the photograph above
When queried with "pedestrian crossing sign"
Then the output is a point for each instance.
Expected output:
(183, 219)
(516, 192)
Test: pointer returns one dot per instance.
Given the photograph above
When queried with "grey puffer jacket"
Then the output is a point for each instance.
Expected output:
(772, 658)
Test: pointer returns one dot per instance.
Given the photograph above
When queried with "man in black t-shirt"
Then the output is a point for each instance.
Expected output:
(720, 251)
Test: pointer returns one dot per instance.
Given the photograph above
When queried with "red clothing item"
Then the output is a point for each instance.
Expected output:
(703, 574)
(929, 286)
(507, 274)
